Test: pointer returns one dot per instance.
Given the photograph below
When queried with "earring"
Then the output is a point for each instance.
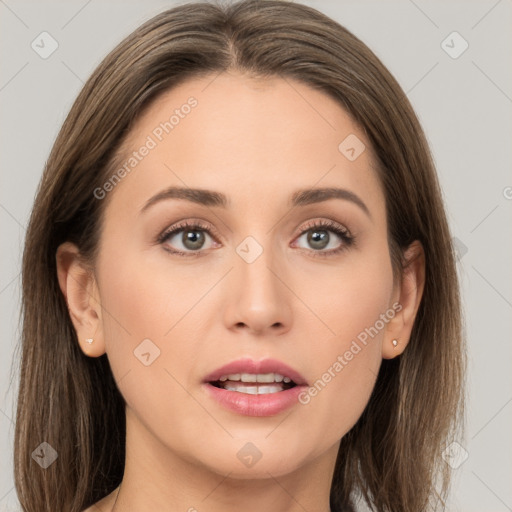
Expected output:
(395, 343)
(89, 340)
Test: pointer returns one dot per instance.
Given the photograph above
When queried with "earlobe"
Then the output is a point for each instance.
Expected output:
(408, 298)
(78, 285)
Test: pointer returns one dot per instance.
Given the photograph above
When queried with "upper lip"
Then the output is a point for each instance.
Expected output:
(247, 365)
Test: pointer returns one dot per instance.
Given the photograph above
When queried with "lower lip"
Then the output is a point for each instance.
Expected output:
(268, 404)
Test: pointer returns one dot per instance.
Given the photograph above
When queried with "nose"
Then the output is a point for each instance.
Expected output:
(259, 300)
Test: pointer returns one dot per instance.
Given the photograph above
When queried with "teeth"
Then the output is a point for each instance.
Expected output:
(253, 390)
(260, 377)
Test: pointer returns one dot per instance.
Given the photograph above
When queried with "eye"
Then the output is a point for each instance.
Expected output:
(317, 236)
(191, 237)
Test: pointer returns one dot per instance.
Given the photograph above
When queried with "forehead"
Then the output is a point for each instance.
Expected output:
(255, 137)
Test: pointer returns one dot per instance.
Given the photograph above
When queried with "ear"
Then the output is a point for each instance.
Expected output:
(407, 298)
(79, 288)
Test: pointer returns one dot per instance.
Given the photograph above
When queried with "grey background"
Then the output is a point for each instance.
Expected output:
(464, 104)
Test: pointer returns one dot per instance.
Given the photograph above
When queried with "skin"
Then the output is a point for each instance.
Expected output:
(255, 141)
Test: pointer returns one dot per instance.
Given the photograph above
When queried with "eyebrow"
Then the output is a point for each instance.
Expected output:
(211, 198)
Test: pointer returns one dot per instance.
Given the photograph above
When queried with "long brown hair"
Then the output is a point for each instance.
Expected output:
(393, 455)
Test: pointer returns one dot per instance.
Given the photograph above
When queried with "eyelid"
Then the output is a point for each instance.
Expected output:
(326, 224)
(189, 223)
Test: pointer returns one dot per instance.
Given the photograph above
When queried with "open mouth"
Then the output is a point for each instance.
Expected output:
(254, 384)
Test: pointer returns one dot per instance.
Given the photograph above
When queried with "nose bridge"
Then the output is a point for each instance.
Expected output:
(259, 295)
(256, 260)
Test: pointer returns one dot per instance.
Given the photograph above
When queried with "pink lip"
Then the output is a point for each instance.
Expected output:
(255, 405)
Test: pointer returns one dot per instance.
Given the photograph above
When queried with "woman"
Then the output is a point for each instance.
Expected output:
(239, 288)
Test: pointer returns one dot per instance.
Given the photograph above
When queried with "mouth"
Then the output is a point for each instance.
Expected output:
(255, 377)
(255, 388)
(254, 384)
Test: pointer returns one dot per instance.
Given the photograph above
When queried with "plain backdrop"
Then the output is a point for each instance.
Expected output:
(463, 100)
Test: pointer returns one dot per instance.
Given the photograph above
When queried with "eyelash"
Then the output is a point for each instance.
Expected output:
(324, 225)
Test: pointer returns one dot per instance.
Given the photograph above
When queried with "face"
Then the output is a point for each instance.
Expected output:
(259, 271)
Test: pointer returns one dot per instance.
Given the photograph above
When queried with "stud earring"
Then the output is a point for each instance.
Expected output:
(395, 343)
(89, 340)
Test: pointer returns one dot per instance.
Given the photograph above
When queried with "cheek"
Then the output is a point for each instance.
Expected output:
(146, 294)
(135, 305)
(147, 312)
(154, 306)
(345, 362)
